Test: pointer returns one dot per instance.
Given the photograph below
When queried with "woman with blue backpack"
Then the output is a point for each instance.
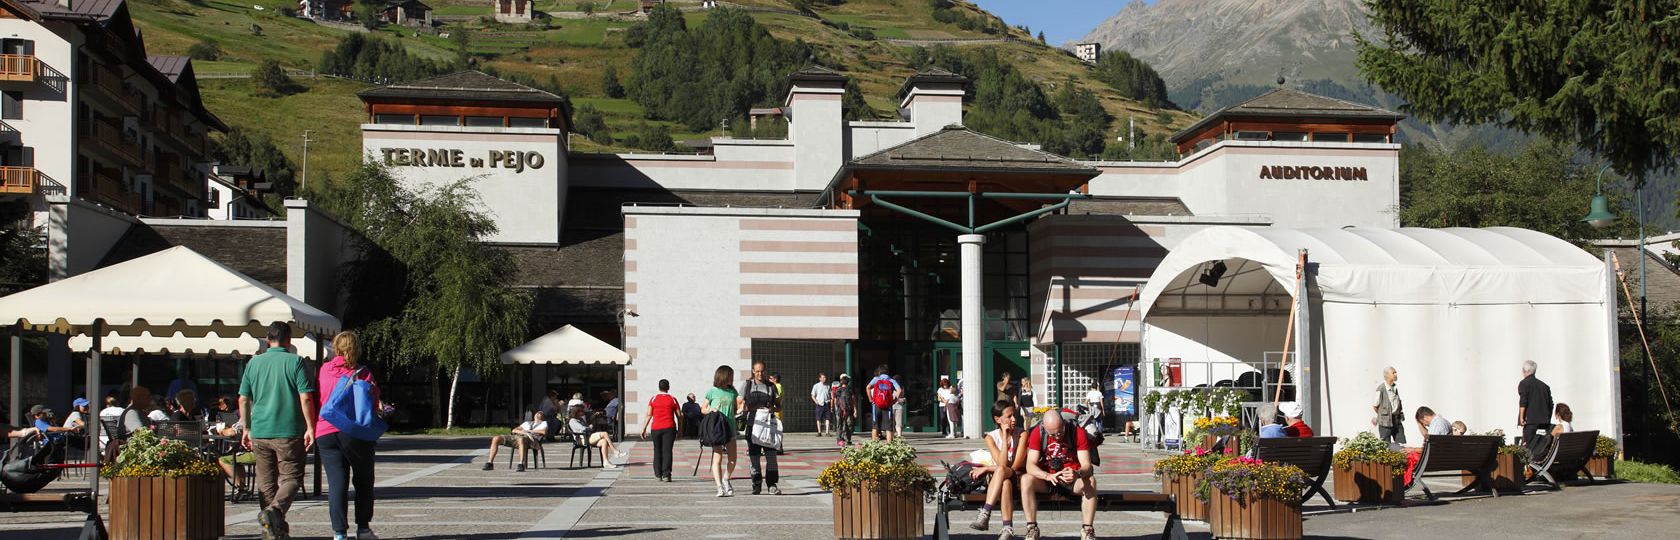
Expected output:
(345, 431)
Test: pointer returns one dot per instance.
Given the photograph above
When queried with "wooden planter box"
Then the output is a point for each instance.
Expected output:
(1183, 488)
(1508, 475)
(1601, 467)
(1369, 483)
(863, 513)
(184, 508)
(1256, 518)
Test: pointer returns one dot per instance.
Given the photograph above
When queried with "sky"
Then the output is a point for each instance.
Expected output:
(1060, 20)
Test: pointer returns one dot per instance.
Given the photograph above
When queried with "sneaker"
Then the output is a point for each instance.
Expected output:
(1007, 533)
(365, 533)
(1032, 532)
(489, 466)
(340, 536)
(757, 491)
(721, 493)
(265, 519)
(775, 490)
(982, 521)
(1088, 533)
(520, 468)
(729, 490)
(610, 466)
(950, 436)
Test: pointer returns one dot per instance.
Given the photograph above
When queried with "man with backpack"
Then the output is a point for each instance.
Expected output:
(759, 400)
(1059, 458)
(883, 392)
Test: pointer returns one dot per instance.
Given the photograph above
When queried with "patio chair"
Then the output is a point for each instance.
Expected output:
(534, 455)
(580, 445)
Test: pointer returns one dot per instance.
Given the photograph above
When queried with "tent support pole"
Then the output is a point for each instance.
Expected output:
(1289, 328)
(17, 377)
(94, 396)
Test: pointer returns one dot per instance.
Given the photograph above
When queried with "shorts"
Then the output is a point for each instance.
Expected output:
(883, 418)
(512, 441)
(821, 413)
(247, 458)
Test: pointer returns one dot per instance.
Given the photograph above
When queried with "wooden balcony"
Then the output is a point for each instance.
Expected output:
(19, 68)
(105, 86)
(106, 136)
(110, 191)
(19, 180)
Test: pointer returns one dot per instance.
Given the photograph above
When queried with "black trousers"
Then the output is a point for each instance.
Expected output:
(663, 441)
(1538, 439)
(347, 461)
(767, 475)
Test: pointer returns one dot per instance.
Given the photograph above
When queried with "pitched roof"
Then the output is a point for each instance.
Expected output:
(816, 73)
(470, 85)
(956, 148)
(99, 10)
(169, 66)
(930, 75)
(1291, 103)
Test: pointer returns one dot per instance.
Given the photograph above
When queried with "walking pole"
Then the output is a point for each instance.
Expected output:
(1289, 329)
(1620, 276)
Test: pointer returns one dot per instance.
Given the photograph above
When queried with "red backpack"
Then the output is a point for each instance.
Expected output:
(881, 393)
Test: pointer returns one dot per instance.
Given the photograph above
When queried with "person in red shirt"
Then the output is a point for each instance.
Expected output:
(1294, 426)
(662, 418)
(1059, 460)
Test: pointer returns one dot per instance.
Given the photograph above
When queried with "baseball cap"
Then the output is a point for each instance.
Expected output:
(38, 409)
(1290, 409)
(79, 402)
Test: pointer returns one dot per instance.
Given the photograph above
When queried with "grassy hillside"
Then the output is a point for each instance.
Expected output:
(571, 49)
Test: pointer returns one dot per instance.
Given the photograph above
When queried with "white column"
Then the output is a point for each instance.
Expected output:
(973, 335)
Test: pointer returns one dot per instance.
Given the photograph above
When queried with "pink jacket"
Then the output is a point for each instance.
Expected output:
(331, 372)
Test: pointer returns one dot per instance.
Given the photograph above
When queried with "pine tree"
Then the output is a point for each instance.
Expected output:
(609, 83)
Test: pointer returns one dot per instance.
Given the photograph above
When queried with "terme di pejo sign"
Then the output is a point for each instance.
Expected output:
(1304, 172)
(518, 160)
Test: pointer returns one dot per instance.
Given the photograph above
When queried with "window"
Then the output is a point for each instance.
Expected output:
(11, 105)
(436, 120)
(528, 122)
(400, 119)
(1330, 137)
(21, 47)
(1291, 136)
(484, 121)
(1251, 135)
(1370, 138)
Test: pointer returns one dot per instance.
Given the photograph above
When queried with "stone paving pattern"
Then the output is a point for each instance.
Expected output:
(433, 488)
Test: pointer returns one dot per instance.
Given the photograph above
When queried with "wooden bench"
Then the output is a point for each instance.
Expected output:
(1566, 459)
(1458, 454)
(1314, 455)
(1117, 500)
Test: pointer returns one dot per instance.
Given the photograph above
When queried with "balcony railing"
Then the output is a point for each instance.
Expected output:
(108, 85)
(19, 68)
(111, 192)
(19, 180)
(109, 135)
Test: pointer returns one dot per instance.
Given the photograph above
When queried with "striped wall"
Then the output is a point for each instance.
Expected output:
(1084, 270)
(705, 282)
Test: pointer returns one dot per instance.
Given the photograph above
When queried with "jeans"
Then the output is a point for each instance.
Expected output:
(663, 441)
(768, 476)
(347, 461)
(279, 471)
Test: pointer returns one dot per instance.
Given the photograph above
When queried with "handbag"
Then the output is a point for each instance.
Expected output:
(353, 410)
(766, 429)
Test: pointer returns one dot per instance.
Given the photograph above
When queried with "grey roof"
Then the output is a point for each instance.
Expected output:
(259, 252)
(1662, 291)
(100, 10)
(169, 66)
(956, 148)
(1130, 206)
(468, 85)
(816, 73)
(1291, 103)
(930, 76)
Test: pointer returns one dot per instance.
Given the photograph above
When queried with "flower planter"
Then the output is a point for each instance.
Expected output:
(1367, 482)
(1507, 475)
(181, 508)
(1601, 467)
(864, 513)
(1183, 488)
(1256, 518)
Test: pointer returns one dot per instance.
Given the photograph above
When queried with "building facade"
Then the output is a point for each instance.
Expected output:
(514, 11)
(1089, 52)
(852, 244)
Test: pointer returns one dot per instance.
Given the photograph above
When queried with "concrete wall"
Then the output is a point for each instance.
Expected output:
(48, 128)
(816, 129)
(706, 281)
(526, 198)
(757, 166)
(317, 248)
(80, 234)
(933, 107)
(872, 137)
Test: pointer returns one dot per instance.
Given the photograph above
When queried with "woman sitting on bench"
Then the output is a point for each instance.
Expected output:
(1059, 459)
(1004, 462)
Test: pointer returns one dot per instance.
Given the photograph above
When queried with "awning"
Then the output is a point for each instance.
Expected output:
(568, 345)
(176, 291)
(177, 344)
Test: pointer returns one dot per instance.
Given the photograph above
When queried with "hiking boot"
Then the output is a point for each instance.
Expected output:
(265, 519)
(1088, 533)
(982, 521)
(488, 466)
(1008, 533)
(520, 468)
(1032, 532)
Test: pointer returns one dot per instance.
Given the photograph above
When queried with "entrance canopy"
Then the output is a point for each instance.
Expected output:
(1455, 311)
(568, 345)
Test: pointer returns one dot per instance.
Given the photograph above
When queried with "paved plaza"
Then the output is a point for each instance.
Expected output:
(433, 487)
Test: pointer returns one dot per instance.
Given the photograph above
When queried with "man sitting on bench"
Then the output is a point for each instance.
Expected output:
(1059, 460)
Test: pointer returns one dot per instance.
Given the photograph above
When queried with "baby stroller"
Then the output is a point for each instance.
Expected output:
(24, 468)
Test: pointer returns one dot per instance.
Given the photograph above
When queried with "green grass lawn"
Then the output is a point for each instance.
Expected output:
(329, 108)
(611, 107)
(1634, 471)
(881, 23)
(170, 28)
(453, 10)
(202, 67)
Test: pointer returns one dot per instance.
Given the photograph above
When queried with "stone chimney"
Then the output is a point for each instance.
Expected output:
(816, 126)
(932, 100)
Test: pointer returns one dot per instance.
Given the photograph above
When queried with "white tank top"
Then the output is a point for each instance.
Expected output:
(1003, 442)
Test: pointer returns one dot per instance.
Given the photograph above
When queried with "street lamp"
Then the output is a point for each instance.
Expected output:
(1598, 212)
(1599, 216)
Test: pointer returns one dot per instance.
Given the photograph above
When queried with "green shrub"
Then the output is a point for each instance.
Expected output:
(1650, 473)
(206, 50)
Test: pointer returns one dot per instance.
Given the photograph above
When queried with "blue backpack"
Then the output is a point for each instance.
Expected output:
(353, 410)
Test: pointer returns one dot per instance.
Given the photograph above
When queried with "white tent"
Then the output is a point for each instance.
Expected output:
(1455, 311)
(168, 299)
(178, 344)
(568, 345)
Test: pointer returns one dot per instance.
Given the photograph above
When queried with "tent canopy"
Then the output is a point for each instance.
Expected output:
(568, 345)
(177, 344)
(174, 292)
(1498, 265)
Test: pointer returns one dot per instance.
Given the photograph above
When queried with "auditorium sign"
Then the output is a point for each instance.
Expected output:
(1304, 172)
(516, 160)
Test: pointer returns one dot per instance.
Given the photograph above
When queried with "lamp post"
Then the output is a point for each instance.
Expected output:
(1599, 216)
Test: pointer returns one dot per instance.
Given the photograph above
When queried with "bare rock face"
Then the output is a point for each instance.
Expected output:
(1201, 44)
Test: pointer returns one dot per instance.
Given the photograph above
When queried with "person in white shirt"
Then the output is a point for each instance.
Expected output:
(1565, 419)
(577, 401)
(527, 433)
(949, 403)
(819, 396)
(1094, 399)
(111, 411)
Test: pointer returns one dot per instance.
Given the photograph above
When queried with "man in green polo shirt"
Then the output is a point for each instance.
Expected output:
(276, 406)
